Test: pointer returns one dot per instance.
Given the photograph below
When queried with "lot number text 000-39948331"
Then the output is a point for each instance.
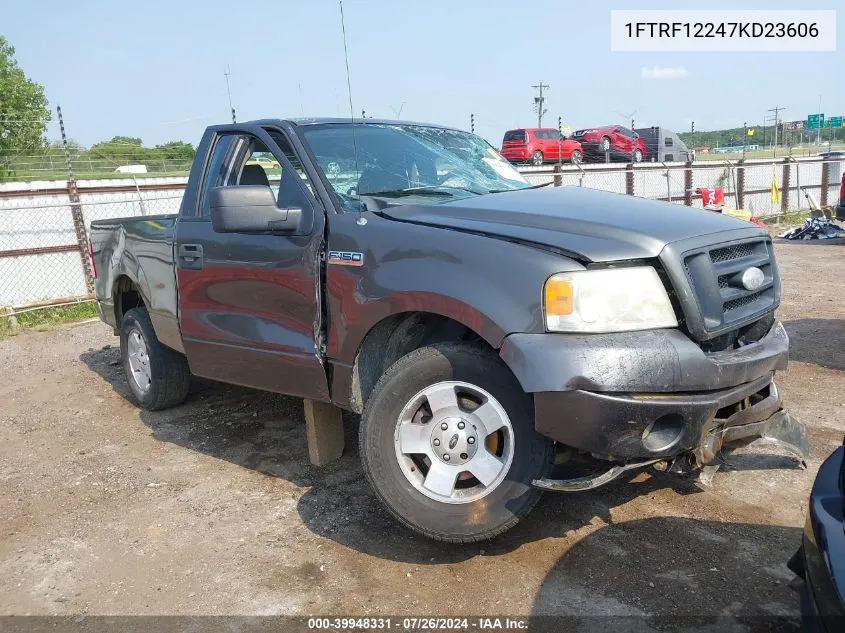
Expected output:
(723, 30)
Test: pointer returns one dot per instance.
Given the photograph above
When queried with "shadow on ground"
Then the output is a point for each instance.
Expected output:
(818, 341)
(655, 574)
(266, 433)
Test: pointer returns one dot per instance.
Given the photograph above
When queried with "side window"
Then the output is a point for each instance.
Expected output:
(215, 175)
(668, 141)
(242, 159)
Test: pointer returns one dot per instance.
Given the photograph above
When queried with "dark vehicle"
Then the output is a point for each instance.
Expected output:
(820, 561)
(664, 146)
(614, 141)
(539, 145)
(478, 324)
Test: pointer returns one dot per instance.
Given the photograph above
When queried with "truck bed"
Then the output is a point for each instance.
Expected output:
(140, 249)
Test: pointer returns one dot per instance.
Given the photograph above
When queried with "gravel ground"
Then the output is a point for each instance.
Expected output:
(213, 508)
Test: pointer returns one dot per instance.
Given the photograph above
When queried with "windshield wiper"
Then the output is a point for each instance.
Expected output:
(545, 184)
(430, 190)
(398, 193)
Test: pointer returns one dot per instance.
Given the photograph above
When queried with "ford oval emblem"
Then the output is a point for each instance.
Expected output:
(453, 441)
(752, 278)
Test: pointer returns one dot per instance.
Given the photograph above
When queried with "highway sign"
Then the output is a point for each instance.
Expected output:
(815, 121)
(834, 121)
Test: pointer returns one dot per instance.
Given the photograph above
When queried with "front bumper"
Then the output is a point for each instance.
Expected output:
(653, 394)
(592, 149)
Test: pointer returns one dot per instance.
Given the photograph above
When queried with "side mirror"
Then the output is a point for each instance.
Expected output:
(250, 209)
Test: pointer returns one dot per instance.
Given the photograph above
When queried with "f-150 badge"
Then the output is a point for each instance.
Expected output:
(346, 258)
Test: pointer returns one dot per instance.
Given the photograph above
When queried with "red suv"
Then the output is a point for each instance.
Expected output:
(537, 145)
(620, 142)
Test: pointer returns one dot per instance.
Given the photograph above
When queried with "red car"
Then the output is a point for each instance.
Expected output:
(538, 145)
(620, 142)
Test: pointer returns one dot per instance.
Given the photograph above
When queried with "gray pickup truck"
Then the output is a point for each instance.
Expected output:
(484, 328)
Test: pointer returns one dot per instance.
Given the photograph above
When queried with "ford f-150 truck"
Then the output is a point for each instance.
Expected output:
(480, 325)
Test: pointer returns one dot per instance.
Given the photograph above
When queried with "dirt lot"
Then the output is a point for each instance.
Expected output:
(213, 508)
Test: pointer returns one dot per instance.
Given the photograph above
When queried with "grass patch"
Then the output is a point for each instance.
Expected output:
(45, 318)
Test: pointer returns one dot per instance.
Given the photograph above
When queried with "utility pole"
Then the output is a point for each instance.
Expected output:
(539, 102)
(744, 138)
(819, 132)
(472, 122)
(226, 74)
(776, 110)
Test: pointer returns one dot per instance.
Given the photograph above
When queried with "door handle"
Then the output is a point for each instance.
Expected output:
(190, 256)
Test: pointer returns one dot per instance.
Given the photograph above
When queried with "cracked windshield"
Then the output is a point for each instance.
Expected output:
(408, 161)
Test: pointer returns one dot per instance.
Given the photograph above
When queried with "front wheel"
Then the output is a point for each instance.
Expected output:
(537, 158)
(638, 156)
(576, 157)
(447, 441)
(605, 144)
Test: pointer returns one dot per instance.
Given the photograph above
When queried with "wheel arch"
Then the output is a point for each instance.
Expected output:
(126, 294)
(390, 339)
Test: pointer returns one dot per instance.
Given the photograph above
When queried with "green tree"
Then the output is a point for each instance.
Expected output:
(120, 150)
(176, 150)
(125, 140)
(23, 108)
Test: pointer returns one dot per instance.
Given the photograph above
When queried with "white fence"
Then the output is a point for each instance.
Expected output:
(41, 259)
(42, 252)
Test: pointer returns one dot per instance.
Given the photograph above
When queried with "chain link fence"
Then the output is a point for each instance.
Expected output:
(765, 188)
(43, 256)
(44, 225)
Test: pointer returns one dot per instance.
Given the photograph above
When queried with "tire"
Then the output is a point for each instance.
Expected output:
(470, 518)
(162, 374)
(537, 158)
(604, 144)
(576, 157)
(637, 156)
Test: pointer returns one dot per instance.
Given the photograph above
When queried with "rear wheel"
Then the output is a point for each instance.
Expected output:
(447, 441)
(157, 375)
(604, 145)
(576, 157)
(537, 158)
(638, 156)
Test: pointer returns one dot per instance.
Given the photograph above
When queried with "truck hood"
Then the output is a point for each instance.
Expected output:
(595, 226)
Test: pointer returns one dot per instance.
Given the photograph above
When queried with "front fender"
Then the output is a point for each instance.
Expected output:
(492, 286)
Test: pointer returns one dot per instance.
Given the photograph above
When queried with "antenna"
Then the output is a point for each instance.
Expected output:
(629, 115)
(226, 74)
(361, 219)
(398, 112)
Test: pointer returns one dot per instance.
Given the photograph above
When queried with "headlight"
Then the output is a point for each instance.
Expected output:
(607, 300)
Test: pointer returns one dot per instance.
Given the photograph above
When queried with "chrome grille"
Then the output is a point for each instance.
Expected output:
(734, 304)
(714, 274)
(731, 252)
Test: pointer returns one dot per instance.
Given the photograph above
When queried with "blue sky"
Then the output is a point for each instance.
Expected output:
(154, 69)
